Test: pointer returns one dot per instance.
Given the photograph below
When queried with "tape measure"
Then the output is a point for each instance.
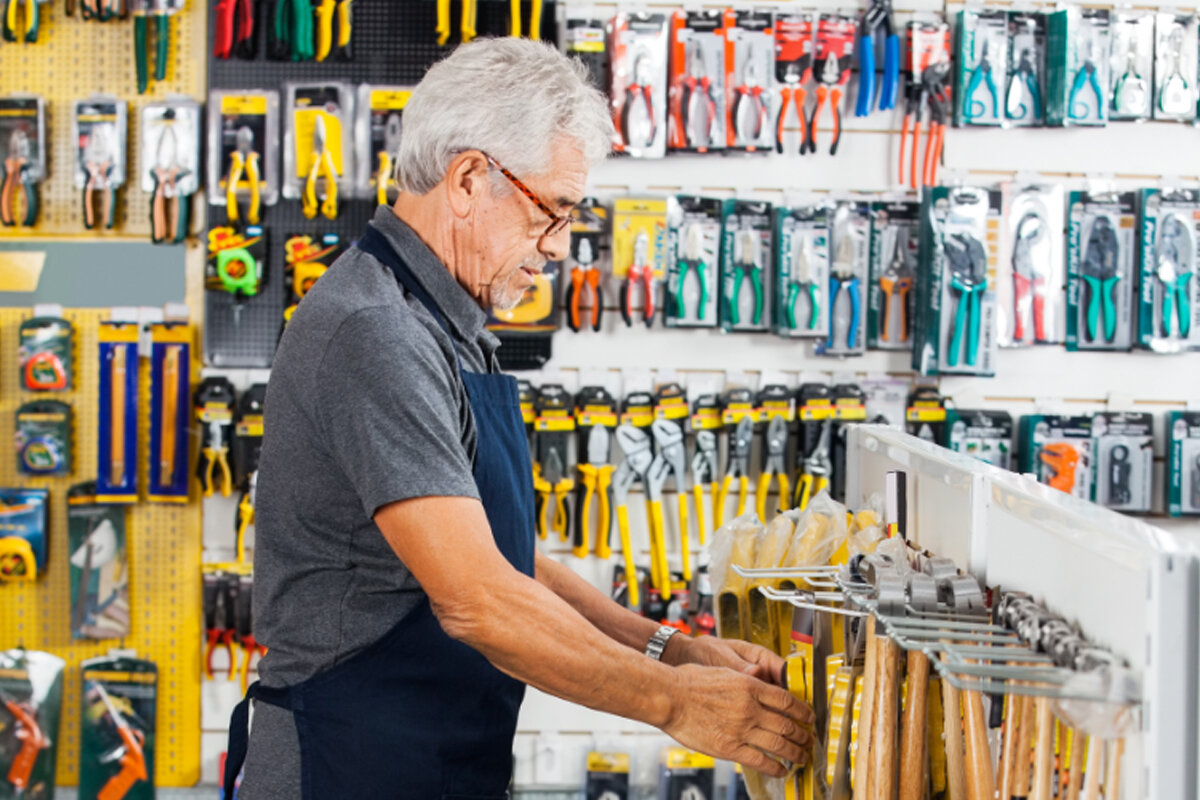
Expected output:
(42, 455)
(16, 560)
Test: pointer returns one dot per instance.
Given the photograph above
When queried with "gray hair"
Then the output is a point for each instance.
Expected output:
(511, 98)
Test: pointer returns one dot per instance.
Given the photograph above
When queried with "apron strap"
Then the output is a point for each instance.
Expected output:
(375, 244)
(239, 729)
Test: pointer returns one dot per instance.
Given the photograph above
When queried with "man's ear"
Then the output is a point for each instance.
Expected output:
(466, 182)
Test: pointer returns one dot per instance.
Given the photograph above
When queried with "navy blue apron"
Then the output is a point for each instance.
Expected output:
(418, 714)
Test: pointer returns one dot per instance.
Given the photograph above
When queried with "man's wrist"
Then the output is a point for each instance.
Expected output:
(674, 653)
(658, 641)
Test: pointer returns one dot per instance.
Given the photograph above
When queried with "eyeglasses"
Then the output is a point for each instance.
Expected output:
(557, 223)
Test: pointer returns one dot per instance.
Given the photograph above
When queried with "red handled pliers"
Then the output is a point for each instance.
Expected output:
(234, 33)
(642, 88)
(640, 271)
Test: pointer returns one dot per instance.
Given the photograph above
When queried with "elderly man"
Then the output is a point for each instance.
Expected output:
(397, 583)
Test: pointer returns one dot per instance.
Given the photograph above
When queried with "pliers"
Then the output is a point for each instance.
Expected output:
(1175, 248)
(697, 91)
(392, 130)
(692, 261)
(234, 34)
(324, 21)
(245, 515)
(747, 265)
(1101, 272)
(897, 279)
(738, 466)
(704, 472)
(12, 29)
(749, 94)
(773, 465)
(584, 273)
(168, 208)
(641, 89)
(830, 77)
(795, 81)
(292, 31)
(17, 180)
(218, 621)
(162, 38)
(1029, 278)
(550, 478)
(216, 455)
(635, 444)
(982, 73)
(878, 16)
(322, 167)
(640, 271)
(1130, 95)
(968, 279)
(816, 469)
(244, 159)
(802, 277)
(1175, 97)
(595, 479)
(1024, 82)
(844, 275)
(535, 18)
(1086, 76)
(245, 630)
(98, 162)
(670, 460)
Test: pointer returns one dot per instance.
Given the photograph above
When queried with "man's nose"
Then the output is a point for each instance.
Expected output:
(556, 247)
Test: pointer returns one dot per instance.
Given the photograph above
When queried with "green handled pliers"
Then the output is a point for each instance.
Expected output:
(1175, 273)
(747, 266)
(968, 279)
(162, 37)
(1085, 76)
(10, 27)
(294, 26)
(693, 259)
(1101, 272)
(972, 108)
(803, 278)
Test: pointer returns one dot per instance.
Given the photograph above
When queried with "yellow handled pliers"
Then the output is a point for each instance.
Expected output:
(535, 18)
(391, 144)
(243, 160)
(635, 444)
(216, 459)
(668, 437)
(322, 167)
(739, 467)
(773, 466)
(325, 12)
(817, 469)
(550, 478)
(12, 30)
(595, 480)
(704, 472)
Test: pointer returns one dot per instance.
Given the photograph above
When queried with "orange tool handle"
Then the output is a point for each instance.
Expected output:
(133, 767)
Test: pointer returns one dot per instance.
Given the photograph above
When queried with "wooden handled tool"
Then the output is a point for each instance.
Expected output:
(1021, 757)
(1043, 758)
(882, 781)
(865, 715)
(914, 759)
(1091, 786)
(1112, 777)
(956, 775)
(1075, 776)
(116, 450)
(980, 779)
(1009, 731)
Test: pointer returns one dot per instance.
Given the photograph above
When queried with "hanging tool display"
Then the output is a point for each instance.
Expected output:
(170, 417)
(326, 43)
(704, 473)
(46, 353)
(117, 742)
(1023, 103)
(1077, 66)
(634, 468)
(741, 437)
(1169, 231)
(1100, 270)
(291, 35)
(220, 590)
(639, 273)
(1183, 464)
(243, 129)
(638, 45)
(749, 65)
(243, 161)
(595, 415)
(795, 41)
(802, 267)
(694, 240)
(214, 403)
(1175, 71)
(24, 546)
(318, 150)
(747, 267)
(118, 413)
(379, 128)
(234, 33)
(877, 24)
(968, 281)
(1058, 449)
(98, 128)
(21, 20)
(43, 438)
(161, 11)
(391, 145)
(639, 254)
(928, 68)
(669, 461)
(851, 235)
(551, 470)
(22, 127)
(817, 469)
(982, 57)
(775, 442)
(697, 86)
(747, 248)
(894, 229)
(697, 115)
(1175, 256)
(101, 10)
(99, 566)
(1132, 36)
(584, 274)
(170, 137)
(835, 46)
(31, 687)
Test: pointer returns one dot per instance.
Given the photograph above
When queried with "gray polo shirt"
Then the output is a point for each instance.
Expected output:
(364, 407)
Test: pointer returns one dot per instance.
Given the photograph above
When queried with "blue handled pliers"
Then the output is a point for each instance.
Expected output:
(1086, 75)
(1024, 82)
(844, 275)
(972, 108)
(877, 18)
(968, 280)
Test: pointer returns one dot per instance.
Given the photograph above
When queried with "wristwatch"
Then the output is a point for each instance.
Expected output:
(658, 642)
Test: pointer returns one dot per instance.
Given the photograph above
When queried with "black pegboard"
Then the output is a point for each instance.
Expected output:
(393, 43)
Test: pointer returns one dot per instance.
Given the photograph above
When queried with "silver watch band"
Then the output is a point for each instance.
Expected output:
(658, 642)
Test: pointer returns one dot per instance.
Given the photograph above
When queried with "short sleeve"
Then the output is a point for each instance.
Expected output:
(391, 407)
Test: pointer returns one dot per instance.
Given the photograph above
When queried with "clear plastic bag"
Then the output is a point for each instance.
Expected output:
(735, 543)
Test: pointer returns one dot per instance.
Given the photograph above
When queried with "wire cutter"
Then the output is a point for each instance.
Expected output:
(234, 29)
(244, 159)
(218, 621)
(671, 456)
(550, 478)
(1174, 272)
(584, 273)
(1086, 75)
(795, 81)
(245, 630)
(982, 73)
(640, 271)
(642, 89)
(704, 472)
(535, 18)
(98, 162)
(897, 279)
(635, 444)
(749, 94)
(738, 466)
(878, 16)
(697, 95)
(1024, 82)
(292, 31)
(968, 279)
(324, 34)
(216, 455)
(747, 266)
(1175, 97)
(1101, 272)
(1130, 95)
(17, 181)
(392, 130)
(844, 275)
(802, 278)
(162, 38)
(322, 167)
(692, 261)
(1029, 278)
(936, 89)
(245, 515)
(12, 29)
(773, 465)
(168, 208)
(815, 470)
(595, 482)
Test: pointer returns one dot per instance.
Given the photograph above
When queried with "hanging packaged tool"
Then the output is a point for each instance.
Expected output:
(117, 452)
(15, 28)
(876, 26)
(795, 46)
(584, 39)
(248, 434)
(99, 555)
(831, 68)
(291, 30)
(243, 140)
(749, 64)
(1175, 68)
(377, 133)
(706, 423)
(1025, 83)
(30, 706)
(1131, 65)
(1101, 270)
(982, 65)
(23, 166)
(802, 272)
(236, 263)
(1169, 302)
(318, 152)
(334, 29)
(220, 597)
(116, 745)
(170, 159)
(100, 10)
(849, 408)
(1123, 454)
(595, 419)
(697, 99)
(928, 69)
(1182, 482)
(585, 291)
(684, 774)
(214, 403)
(985, 435)
(44, 438)
(1058, 450)
(814, 460)
(746, 266)
(849, 265)
(170, 414)
(98, 128)
(638, 53)
(694, 242)
(306, 259)
(24, 537)
(533, 318)
(235, 33)
(607, 776)
(552, 470)
(956, 298)
(1031, 275)
(925, 416)
(161, 11)
(886, 400)
(891, 301)
(46, 354)
(639, 254)
(1077, 61)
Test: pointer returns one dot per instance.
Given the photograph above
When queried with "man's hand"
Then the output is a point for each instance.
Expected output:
(709, 651)
(731, 715)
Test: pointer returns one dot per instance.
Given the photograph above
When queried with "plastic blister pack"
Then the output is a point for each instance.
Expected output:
(378, 127)
(638, 68)
(1077, 61)
(1123, 455)
(750, 102)
(1183, 463)
(895, 237)
(1031, 280)
(1101, 274)
(1024, 97)
(849, 267)
(23, 145)
(986, 435)
(243, 140)
(802, 264)
(1169, 302)
(639, 255)
(746, 273)
(98, 128)
(1058, 449)
(1175, 66)
(170, 160)
(982, 60)
(1131, 65)
(795, 47)
(694, 228)
(697, 120)
(318, 146)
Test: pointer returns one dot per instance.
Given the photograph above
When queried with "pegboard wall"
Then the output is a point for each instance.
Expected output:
(164, 580)
(73, 59)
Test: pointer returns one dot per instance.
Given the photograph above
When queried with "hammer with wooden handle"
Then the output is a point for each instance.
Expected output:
(922, 596)
(963, 595)
(881, 782)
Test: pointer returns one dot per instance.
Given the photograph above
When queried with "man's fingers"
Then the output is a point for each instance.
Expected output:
(754, 759)
(775, 745)
(784, 702)
(787, 728)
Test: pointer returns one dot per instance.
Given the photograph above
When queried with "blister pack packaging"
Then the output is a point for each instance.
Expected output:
(1131, 65)
(25, 545)
(31, 687)
(318, 146)
(44, 438)
(639, 255)
(831, 68)
(850, 255)
(1123, 455)
(23, 143)
(956, 299)
(637, 49)
(685, 775)
(1183, 463)
(927, 62)
(802, 271)
(925, 415)
(1175, 66)
(1169, 297)
(1031, 275)
(985, 435)
(697, 101)
(98, 129)
(1101, 270)
(607, 776)
(243, 143)
(746, 253)
(1077, 61)
(693, 253)
(795, 45)
(1025, 92)
(982, 58)
(377, 133)
(749, 64)
(584, 39)
(47, 354)
(589, 252)
(99, 566)
(1058, 450)
(118, 711)
(170, 150)
(895, 237)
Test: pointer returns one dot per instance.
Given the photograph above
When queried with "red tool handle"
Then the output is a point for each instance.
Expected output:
(245, 20)
(1020, 292)
(648, 309)
(1039, 316)
(223, 38)
(787, 98)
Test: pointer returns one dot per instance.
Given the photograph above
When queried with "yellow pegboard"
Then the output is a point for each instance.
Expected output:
(74, 59)
(164, 582)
